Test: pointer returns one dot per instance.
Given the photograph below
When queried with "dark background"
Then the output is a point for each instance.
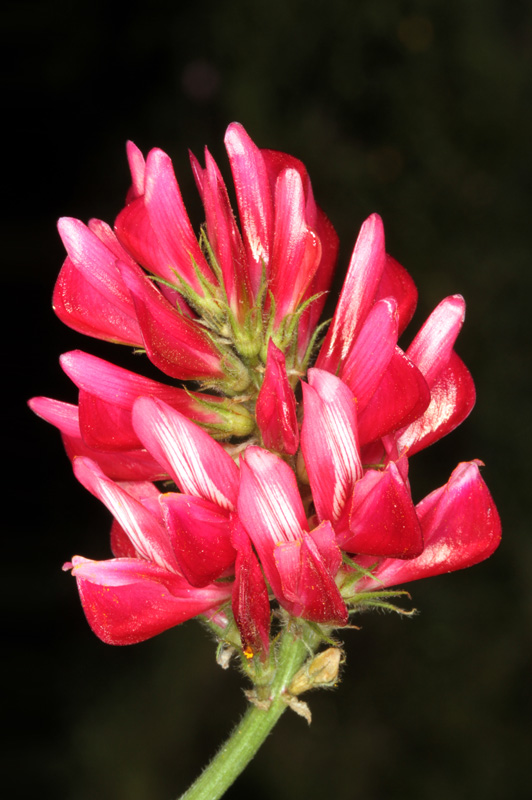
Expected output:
(418, 110)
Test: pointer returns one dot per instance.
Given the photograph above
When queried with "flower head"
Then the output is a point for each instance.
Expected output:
(285, 486)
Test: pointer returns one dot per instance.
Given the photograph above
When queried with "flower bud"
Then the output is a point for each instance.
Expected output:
(321, 671)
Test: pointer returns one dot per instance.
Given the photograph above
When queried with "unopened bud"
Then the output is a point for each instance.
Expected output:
(223, 418)
(321, 671)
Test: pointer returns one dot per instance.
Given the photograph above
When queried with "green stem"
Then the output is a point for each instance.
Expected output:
(254, 727)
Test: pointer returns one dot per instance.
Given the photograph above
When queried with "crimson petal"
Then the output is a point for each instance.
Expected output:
(452, 398)
(276, 405)
(251, 605)
(401, 397)
(383, 520)
(129, 600)
(200, 536)
(460, 525)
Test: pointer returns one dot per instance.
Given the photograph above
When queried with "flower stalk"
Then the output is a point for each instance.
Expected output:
(294, 648)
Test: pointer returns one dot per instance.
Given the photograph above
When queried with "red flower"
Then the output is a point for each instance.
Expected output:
(321, 513)
(300, 565)
(141, 592)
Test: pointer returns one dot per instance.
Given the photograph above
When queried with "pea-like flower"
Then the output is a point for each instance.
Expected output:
(268, 486)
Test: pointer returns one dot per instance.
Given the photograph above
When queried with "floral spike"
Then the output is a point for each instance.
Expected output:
(304, 516)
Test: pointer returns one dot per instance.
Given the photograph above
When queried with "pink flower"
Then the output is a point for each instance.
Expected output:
(371, 510)
(107, 394)
(418, 396)
(285, 239)
(460, 527)
(305, 504)
(300, 565)
(199, 517)
(141, 592)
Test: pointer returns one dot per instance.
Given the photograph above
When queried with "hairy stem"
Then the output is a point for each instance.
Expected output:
(256, 724)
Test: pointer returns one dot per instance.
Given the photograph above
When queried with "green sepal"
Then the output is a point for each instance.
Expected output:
(321, 634)
(229, 410)
(312, 346)
(358, 572)
(288, 326)
(368, 600)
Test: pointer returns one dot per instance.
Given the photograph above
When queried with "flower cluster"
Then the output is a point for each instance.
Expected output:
(281, 481)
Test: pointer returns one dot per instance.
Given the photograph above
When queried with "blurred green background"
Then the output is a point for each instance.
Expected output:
(418, 110)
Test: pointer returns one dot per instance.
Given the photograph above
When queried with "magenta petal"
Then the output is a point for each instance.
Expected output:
(84, 308)
(121, 544)
(173, 342)
(452, 398)
(397, 283)
(269, 501)
(431, 349)
(296, 249)
(329, 443)
(95, 262)
(145, 531)
(371, 352)
(276, 406)
(145, 492)
(170, 221)
(254, 197)
(127, 466)
(135, 231)
(251, 605)
(269, 507)
(105, 426)
(198, 464)
(309, 589)
(324, 538)
(357, 295)
(401, 397)
(129, 600)
(460, 525)
(320, 283)
(277, 162)
(63, 416)
(107, 236)
(200, 536)
(383, 520)
(223, 235)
